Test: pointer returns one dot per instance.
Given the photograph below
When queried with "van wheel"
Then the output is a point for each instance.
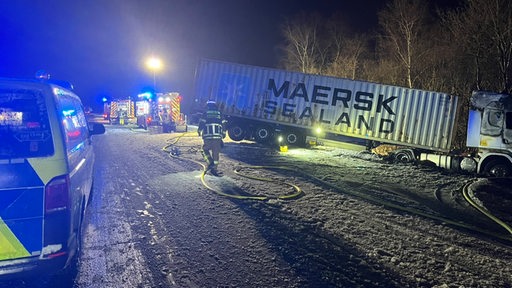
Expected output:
(71, 269)
(237, 132)
(80, 229)
(263, 134)
(90, 193)
(498, 168)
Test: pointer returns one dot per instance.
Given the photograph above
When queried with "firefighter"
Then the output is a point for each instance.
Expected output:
(165, 120)
(210, 128)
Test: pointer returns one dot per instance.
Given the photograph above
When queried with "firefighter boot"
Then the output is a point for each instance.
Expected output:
(215, 172)
(208, 158)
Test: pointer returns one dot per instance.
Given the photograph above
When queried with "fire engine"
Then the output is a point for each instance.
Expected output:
(162, 109)
(122, 112)
(106, 111)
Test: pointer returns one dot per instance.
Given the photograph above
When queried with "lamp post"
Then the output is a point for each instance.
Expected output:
(154, 64)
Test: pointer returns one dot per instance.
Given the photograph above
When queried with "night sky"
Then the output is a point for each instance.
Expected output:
(100, 45)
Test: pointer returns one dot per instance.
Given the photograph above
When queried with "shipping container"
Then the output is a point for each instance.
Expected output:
(284, 100)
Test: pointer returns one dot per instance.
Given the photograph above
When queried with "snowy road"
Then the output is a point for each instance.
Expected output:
(152, 223)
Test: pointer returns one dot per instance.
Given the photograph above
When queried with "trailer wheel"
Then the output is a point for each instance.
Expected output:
(237, 133)
(262, 134)
(498, 168)
(294, 138)
(403, 156)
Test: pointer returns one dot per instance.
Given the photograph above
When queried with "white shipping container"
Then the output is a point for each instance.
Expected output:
(384, 113)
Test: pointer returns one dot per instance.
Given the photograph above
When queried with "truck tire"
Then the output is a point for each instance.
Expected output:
(403, 156)
(237, 132)
(294, 138)
(263, 134)
(498, 168)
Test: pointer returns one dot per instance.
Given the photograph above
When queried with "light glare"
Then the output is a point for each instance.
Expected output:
(154, 63)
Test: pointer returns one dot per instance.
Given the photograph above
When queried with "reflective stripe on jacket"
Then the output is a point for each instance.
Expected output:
(213, 116)
(212, 131)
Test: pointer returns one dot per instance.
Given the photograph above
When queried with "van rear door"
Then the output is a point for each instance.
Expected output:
(25, 134)
(21, 211)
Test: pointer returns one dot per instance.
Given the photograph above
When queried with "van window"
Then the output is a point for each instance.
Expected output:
(73, 120)
(492, 121)
(508, 120)
(24, 125)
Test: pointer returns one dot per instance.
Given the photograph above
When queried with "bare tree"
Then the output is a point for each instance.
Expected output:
(346, 55)
(303, 50)
(483, 31)
(434, 69)
(500, 21)
(464, 25)
(403, 23)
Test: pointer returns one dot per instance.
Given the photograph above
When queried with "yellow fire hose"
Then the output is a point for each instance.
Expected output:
(171, 150)
(467, 196)
(298, 192)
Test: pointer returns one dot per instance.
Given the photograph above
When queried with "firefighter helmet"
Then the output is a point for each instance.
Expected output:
(211, 105)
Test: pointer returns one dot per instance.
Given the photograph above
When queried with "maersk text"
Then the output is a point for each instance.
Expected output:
(333, 96)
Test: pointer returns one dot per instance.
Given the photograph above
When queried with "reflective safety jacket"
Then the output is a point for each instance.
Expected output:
(212, 131)
(211, 126)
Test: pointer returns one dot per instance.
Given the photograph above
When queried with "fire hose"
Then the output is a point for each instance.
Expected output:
(174, 152)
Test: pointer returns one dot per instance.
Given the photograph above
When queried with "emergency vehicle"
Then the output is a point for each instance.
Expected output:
(122, 112)
(106, 111)
(46, 171)
(162, 109)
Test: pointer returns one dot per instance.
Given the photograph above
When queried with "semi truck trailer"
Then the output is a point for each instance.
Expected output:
(266, 104)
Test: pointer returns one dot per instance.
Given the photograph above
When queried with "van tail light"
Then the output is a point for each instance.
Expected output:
(57, 194)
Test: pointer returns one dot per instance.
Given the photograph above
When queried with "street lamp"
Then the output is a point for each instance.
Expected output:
(154, 64)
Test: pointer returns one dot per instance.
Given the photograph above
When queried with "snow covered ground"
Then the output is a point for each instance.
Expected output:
(359, 222)
(410, 223)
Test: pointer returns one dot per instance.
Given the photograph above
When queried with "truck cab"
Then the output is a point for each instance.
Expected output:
(490, 130)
